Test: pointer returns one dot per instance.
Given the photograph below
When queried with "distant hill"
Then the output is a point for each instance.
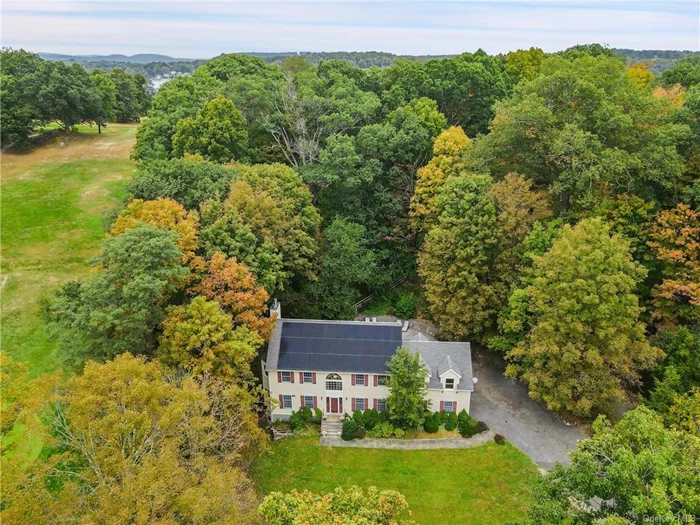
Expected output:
(143, 58)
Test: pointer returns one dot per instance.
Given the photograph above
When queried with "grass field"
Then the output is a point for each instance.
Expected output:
(52, 202)
(489, 484)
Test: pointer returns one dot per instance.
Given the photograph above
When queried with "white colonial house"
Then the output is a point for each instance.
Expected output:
(340, 366)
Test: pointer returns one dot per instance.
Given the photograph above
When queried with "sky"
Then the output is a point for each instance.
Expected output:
(202, 29)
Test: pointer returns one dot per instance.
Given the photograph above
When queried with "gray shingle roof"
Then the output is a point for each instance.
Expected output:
(437, 353)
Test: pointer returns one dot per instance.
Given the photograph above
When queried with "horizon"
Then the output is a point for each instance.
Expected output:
(402, 28)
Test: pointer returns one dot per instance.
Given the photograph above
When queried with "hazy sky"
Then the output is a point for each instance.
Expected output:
(204, 29)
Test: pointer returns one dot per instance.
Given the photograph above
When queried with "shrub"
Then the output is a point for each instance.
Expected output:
(498, 438)
(481, 427)
(406, 305)
(370, 418)
(444, 416)
(466, 425)
(299, 420)
(432, 423)
(451, 423)
(361, 432)
(306, 414)
(383, 417)
(350, 428)
(358, 417)
(385, 430)
(318, 415)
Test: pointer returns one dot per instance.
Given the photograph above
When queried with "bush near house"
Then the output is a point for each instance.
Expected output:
(451, 422)
(385, 430)
(300, 420)
(466, 425)
(432, 423)
(350, 428)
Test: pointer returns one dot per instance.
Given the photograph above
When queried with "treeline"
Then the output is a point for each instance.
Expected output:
(149, 70)
(36, 92)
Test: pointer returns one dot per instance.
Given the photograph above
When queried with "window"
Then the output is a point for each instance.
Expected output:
(308, 377)
(286, 377)
(382, 380)
(308, 401)
(360, 379)
(381, 405)
(449, 383)
(449, 406)
(334, 382)
(360, 403)
(286, 401)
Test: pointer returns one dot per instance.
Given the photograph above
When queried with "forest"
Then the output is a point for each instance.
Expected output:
(544, 206)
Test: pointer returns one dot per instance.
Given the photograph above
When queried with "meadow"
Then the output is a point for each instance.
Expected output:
(54, 199)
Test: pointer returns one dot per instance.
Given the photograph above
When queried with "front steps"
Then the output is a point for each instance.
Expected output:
(331, 427)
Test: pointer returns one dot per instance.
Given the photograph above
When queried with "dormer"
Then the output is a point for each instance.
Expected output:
(449, 374)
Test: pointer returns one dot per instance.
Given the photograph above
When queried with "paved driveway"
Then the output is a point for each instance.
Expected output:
(503, 404)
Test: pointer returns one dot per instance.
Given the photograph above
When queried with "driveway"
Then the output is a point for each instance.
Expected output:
(504, 405)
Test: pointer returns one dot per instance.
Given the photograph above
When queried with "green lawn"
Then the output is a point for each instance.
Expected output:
(53, 199)
(489, 484)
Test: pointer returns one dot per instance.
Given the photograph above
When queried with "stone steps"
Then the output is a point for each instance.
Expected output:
(331, 427)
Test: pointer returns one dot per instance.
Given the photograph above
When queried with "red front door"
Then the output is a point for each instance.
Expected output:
(334, 405)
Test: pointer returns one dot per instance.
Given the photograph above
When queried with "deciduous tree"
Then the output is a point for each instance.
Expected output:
(586, 344)
(236, 289)
(118, 308)
(199, 338)
(407, 389)
(218, 133)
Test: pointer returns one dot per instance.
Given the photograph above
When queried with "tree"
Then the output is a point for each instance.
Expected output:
(118, 308)
(18, 87)
(675, 240)
(347, 264)
(273, 203)
(236, 289)
(456, 258)
(199, 338)
(218, 133)
(680, 373)
(132, 446)
(166, 214)
(447, 160)
(685, 72)
(586, 344)
(640, 74)
(189, 181)
(407, 389)
(557, 130)
(67, 94)
(637, 470)
(108, 98)
(131, 96)
(341, 507)
(524, 64)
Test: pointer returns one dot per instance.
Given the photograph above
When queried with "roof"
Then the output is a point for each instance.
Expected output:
(334, 346)
(359, 346)
(437, 354)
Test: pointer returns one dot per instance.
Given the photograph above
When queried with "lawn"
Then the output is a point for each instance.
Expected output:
(489, 484)
(53, 200)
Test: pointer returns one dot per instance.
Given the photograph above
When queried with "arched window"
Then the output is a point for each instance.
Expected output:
(334, 382)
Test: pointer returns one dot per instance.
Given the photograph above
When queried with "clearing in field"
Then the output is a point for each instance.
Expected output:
(53, 201)
(489, 484)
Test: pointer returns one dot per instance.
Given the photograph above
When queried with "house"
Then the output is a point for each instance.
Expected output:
(340, 366)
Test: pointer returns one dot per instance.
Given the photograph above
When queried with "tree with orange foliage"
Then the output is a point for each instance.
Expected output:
(166, 214)
(236, 289)
(446, 161)
(675, 238)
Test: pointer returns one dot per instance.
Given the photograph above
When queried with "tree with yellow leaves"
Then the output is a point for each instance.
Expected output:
(447, 160)
(166, 214)
(640, 74)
